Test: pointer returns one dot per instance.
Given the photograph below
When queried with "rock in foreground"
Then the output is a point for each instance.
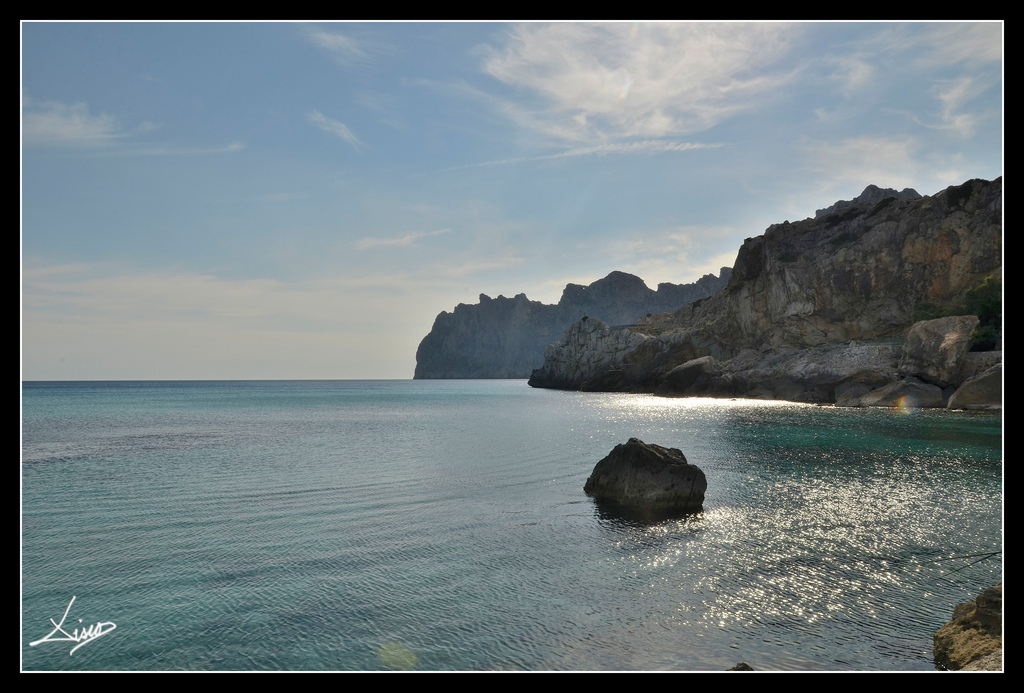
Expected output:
(973, 640)
(648, 479)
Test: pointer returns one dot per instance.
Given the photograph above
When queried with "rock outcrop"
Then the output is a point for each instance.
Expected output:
(872, 194)
(973, 639)
(649, 480)
(505, 337)
(935, 349)
(983, 391)
(817, 310)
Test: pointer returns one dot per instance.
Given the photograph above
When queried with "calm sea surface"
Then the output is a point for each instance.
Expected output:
(442, 525)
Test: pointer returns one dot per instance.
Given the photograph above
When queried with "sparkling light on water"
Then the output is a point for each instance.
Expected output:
(442, 526)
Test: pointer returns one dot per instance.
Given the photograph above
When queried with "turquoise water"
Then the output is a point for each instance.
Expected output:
(441, 525)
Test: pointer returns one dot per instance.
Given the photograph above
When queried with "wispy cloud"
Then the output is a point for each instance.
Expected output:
(336, 128)
(853, 73)
(407, 239)
(344, 49)
(600, 82)
(648, 147)
(953, 97)
(57, 124)
(160, 150)
(951, 44)
(883, 161)
(682, 254)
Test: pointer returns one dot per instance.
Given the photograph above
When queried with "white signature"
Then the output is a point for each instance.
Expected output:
(82, 637)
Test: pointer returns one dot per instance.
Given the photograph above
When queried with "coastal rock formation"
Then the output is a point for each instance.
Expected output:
(817, 310)
(909, 393)
(496, 338)
(973, 639)
(983, 391)
(506, 337)
(934, 349)
(588, 347)
(649, 479)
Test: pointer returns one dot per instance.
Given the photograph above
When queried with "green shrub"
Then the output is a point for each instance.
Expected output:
(984, 338)
(928, 311)
(843, 238)
(882, 204)
(986, 301)
(960, 194)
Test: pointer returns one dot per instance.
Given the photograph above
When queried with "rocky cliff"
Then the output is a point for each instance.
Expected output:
(812, 308)
(872, 193)
(505, 337)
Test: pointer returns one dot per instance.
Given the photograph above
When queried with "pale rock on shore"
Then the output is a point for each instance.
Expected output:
(973, 639)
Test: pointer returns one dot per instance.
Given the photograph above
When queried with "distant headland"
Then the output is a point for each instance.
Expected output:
(506, 337)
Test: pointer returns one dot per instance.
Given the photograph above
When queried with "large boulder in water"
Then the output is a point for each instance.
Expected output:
(648, 479)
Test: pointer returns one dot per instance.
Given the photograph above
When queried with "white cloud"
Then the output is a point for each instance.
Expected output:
(51, 122)
(55, 123)
(649, 147)
(597, 82)
(953, 96)
(680, 255)
(343, 48)
(887, 162)
(853, 73)
(336, 128)
(146, 150)
(951, 44)
(407, 239)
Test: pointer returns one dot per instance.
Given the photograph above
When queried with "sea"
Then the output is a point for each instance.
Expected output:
(426, 525)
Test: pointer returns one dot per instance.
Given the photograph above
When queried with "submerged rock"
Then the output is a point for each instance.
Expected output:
(649, 480)
(973, 639)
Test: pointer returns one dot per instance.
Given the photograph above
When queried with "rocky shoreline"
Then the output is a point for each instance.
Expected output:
(880, 373)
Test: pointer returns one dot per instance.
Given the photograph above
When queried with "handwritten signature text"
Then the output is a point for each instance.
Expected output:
(80, 636)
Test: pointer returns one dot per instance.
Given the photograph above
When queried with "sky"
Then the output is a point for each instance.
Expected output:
(300, 200)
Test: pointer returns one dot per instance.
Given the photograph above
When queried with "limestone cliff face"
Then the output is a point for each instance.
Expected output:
(505, 337)
(496, 338)
(857, 274)
(860, 273)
